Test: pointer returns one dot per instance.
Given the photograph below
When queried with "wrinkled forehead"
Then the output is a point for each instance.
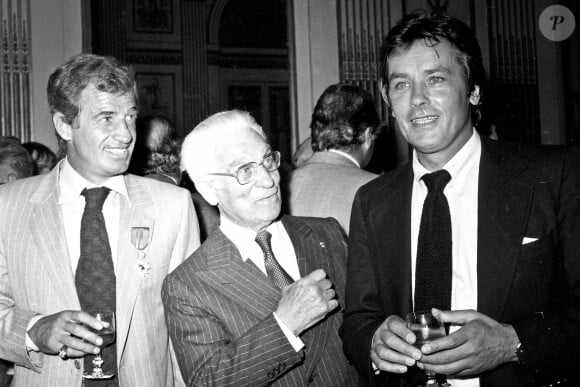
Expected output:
(235, 149)
(425, 49)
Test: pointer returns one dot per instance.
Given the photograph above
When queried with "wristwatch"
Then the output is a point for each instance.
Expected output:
(520, 354)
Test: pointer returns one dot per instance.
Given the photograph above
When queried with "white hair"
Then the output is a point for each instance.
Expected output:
(201, 147)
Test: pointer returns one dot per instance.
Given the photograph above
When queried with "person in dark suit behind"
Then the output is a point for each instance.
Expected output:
(514, 267)
(344, 126)
(246, 310)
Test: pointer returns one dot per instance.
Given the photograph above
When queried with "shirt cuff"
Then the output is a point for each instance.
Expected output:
(30, 346)
(295, 341)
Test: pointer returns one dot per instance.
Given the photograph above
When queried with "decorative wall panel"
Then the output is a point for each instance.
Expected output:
(15, 94)
(513, 70)
(362, 26)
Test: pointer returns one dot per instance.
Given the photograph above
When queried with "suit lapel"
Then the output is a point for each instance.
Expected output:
(504, 201)
(240, 281)
(128, 275)
(46, 227)
(392, 232)
(311, 253)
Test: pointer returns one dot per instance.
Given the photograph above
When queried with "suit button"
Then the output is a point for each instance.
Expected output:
(77, 365)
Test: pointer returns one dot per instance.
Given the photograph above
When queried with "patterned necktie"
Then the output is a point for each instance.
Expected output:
(275, 272)
(95, 275)
(433, 265)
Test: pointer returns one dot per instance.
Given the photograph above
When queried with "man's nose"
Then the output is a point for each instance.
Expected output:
(124, 132)
(418, 95)
(263, 177)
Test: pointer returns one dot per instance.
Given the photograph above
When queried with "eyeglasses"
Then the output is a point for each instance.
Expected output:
(246, 173)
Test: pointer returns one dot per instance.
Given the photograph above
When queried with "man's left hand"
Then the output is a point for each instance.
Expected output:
(481, 344)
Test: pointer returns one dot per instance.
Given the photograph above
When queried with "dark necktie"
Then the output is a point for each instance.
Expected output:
(275, 272)
(95, 275)
(433, 265)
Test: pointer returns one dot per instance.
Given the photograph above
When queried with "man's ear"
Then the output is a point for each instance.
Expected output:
(63, 129)
(207, 190)
(475, 96)
(384, 93)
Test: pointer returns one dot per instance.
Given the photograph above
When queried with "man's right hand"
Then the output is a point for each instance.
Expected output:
(306, 302)
(68, 328)
(392, 349)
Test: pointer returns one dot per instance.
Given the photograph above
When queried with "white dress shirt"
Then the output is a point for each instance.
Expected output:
(244, 239)
(462, 194)
(72, 205)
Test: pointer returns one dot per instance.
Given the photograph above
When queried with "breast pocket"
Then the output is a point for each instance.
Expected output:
(533, 250)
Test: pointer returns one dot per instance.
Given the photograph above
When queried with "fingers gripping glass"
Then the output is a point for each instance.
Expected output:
(246, 173)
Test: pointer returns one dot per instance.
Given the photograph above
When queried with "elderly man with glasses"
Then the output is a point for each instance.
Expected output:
(258, 302)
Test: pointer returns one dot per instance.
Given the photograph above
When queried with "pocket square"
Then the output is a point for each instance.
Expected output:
(527, 240)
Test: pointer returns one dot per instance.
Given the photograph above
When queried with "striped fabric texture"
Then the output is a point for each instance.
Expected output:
(36, 278)
(219, 315)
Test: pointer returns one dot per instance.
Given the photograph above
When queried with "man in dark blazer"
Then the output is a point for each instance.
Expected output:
(242, 311)
(515, 220)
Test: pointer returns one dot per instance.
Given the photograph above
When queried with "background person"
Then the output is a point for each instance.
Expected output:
(344, 126)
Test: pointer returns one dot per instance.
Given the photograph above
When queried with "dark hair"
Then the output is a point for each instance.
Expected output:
(18, 158)
(341, 116)
(39, 152)
(432, 29)
(67, 82)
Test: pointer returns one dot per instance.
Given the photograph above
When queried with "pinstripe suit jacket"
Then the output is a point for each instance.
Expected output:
(325, 186)
(219, 313)
(36, 278)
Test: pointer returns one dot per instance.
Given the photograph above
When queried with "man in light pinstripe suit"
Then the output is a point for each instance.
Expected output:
(42, 328)
(228, 321)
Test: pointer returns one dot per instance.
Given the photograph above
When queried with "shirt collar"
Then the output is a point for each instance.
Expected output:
(344, 154)
(244, 238)
(465, 155)
(71, 184)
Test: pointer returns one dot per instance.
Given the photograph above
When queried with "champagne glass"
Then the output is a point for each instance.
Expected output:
(108, 336)
(426, 328)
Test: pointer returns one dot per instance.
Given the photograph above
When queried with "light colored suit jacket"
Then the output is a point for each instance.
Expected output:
(36, 278)
(219, 313)
(325, 187)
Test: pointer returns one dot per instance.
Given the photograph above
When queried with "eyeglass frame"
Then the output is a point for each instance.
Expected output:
(255, 165)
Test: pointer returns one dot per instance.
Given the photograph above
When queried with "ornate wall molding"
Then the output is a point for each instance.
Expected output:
(15, 89)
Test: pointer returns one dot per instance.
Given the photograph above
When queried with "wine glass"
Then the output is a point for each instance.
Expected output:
(426, 328)
(108, 336)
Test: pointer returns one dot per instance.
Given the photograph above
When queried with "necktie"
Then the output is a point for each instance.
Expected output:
(95, 276)
(275, 272)
(433, 265)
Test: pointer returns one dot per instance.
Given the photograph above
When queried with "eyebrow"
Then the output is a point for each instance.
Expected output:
(438, 69)
(239, 163)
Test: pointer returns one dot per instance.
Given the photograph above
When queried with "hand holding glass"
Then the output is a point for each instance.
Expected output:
(426, 328)
(108, 336)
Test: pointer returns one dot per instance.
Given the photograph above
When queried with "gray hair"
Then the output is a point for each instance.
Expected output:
(201, 147)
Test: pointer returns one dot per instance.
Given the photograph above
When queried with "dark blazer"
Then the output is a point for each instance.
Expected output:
(219, 311)
(523, 192)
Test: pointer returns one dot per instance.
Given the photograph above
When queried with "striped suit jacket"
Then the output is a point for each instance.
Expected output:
(219, 313)
(36, 278)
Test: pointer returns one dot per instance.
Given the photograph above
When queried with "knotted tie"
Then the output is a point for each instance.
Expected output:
(275, 272)
(95, 275)
(433, 265)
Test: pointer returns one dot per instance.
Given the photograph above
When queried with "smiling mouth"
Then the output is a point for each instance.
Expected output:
(117, 151)
(423, 120)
